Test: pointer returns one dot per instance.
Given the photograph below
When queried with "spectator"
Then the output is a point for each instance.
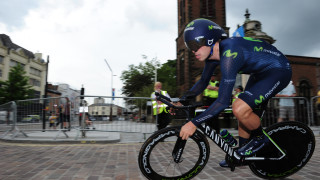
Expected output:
(210, 95)
(318, 101)
(52, 120)
(64, 115)
(237, 91)
(159, 108)
(286, 105)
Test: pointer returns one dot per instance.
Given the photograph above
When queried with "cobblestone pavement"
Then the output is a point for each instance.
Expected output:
(106, 162)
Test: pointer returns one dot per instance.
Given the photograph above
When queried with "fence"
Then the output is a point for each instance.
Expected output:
(60, 115)
(7, 117)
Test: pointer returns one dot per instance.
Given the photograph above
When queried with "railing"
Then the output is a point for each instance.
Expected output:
(21, 117)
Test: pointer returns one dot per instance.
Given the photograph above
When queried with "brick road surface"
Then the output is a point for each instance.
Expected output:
(109, 161)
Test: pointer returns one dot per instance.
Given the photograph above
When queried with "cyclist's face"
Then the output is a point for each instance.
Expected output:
(202, 53)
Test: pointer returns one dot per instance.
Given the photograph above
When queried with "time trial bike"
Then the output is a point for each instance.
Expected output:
(164, 155)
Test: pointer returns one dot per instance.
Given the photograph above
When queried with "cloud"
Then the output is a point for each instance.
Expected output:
(79, 35)
(13, 11)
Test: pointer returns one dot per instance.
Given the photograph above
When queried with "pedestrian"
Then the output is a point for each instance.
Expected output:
(87, 120)
(269, 71)
(286, 105)
(159, 108)
(210, 94)
(64, 110)
(52, 120)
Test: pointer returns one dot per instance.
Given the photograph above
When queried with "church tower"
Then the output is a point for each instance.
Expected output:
(188, 68)
(253, 29)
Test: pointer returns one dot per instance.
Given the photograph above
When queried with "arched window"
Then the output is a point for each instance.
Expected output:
(304, 88)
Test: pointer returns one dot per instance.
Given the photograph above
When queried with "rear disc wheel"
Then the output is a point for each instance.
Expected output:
(296, 140)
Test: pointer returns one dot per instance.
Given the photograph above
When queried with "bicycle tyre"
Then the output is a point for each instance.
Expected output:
(296, 140)
(156, 161)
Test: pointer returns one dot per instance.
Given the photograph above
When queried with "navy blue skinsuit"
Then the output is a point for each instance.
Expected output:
(269, 70)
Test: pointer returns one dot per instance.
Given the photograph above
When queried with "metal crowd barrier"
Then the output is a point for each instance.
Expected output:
(34, 115)
(315, 110)
(301, 111)
(107, 114)
(7, 111)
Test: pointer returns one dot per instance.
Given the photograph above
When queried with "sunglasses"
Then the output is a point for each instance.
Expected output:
(195, 45)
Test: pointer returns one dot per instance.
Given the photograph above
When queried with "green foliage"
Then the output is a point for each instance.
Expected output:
(138, 77)
(16, 87)
(167, 76)
(139, 80)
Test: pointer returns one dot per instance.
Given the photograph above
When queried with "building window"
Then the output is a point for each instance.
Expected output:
(37, 94)
(0, 72)
(1, 59)
(208, 8)
(304, 89)
(14, 63)
(34, 82)
(35, 71)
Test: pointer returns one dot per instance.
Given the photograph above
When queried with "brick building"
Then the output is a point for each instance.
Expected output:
(306, 70)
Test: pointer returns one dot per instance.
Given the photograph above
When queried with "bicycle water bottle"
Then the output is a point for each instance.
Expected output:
(228, 137)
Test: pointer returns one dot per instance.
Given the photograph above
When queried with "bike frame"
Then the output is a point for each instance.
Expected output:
(215, 137)
(223, 145)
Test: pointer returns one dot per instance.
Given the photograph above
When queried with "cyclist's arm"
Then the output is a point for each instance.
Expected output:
(202, 84)
(229, 69)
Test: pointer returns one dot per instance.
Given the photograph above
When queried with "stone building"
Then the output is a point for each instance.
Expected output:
(12, 54)
(305, 70)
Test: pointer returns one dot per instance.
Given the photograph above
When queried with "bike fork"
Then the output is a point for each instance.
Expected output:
(178, 150)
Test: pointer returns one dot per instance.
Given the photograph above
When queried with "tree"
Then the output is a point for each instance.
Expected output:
(16, 87)
(139, 80)
(167, 75)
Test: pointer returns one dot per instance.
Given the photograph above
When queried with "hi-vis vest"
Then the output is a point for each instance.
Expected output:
(211, 93)
(236, 96)
(161, 107)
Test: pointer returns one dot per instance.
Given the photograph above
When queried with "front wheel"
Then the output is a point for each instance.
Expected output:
(156, 159)
(296, 140)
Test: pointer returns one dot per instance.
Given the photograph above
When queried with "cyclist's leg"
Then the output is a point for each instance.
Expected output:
(260, 88)
(248, 120)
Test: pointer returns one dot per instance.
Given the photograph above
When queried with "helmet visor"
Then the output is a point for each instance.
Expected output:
(195, 45)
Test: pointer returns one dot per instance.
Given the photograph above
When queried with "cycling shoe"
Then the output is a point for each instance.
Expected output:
(253, 146)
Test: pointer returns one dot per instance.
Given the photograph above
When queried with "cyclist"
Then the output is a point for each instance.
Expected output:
(269, 71)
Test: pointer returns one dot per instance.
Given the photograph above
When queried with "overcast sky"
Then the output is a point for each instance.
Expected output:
(79, 34)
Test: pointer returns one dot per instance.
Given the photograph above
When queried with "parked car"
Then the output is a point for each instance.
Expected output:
(92, 118)
(31, 119)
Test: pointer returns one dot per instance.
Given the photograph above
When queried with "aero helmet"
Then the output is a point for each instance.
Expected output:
(202, 32)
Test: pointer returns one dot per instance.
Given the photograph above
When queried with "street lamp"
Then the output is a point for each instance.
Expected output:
(111, 88)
